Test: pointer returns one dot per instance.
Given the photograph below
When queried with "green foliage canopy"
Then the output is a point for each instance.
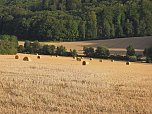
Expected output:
(70, 20)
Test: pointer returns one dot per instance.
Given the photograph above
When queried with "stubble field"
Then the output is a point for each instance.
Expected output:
(59, 85)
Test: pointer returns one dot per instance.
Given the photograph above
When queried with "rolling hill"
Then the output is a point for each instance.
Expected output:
(116, 46)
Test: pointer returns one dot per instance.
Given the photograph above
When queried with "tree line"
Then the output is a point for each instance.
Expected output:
(71, 20)
(36, 48)
(104, 53)
(9, 45)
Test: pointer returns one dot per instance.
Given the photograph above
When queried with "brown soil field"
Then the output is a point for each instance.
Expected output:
(59, 85)
(116, 46)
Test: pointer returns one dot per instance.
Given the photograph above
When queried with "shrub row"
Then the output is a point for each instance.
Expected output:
(99, 52)
(36, 48)
(104, 53)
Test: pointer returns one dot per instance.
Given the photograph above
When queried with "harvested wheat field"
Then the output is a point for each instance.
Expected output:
(59, 85)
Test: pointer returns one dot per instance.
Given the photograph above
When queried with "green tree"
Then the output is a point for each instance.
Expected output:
(128, 28)
(130, 51)
(82, 31)
(27, 46)
(91, 25)
(148, 54)
(32, 47)
(20, 49)
(8, 44)
(48, 50)
(102, 52)
(45, 4)
(61, 50)
(88, 51)
(35, 47)
(73, 4)
(73, 53)
(118, 15)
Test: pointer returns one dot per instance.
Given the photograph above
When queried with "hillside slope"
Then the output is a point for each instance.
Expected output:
(75, 20)
(115, 45)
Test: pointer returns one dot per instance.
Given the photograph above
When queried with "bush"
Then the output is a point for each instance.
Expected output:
(61, 50)
(35, 47)
(20, 48)
(102, 52)
(148, 60)
(8, 44)
(132, 58)
(32, 47)
(88, 51)
(130, 51)
(118, 57)
(48, 50)
(73, 53)
(148, 54)
(27, 44)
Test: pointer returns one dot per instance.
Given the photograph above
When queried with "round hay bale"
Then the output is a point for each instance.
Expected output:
(26, 59)
(112, 60)
(91, 59)
(85, 63)
(17, 56)
(100, 60)
(78, 59)
(128, 63)
(38, 57)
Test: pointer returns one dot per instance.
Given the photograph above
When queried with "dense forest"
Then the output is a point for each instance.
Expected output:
(70, 20)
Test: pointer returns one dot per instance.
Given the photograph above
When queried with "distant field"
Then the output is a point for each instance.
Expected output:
(61, 85)
(115, 45)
